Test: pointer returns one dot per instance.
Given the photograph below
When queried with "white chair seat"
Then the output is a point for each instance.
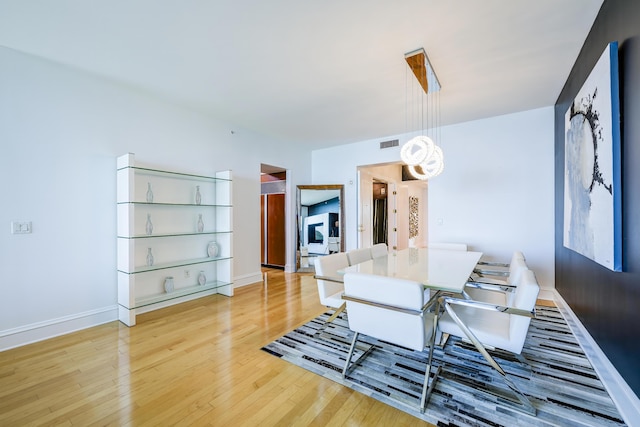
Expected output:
(485, 325)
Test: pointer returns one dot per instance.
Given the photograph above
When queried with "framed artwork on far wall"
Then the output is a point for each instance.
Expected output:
(592, 159)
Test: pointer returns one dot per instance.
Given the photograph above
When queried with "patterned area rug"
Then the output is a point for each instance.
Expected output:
(553, 371)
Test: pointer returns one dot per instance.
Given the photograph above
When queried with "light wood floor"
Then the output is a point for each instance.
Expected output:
(198, 363)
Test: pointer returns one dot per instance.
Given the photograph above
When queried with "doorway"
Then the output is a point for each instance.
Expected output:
(273, 238)
(385, 194)
(380, 212)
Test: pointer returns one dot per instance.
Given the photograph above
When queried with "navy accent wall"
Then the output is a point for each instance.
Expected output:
(607, 303)
(328, 206)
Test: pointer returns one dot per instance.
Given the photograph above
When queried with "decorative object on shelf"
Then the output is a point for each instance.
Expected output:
(168, 284)
(202, 279)
(213, 249)
(424, 158)
(200, 224)
(149, 257)
(198, 195)
(149, 228)
(149, 193)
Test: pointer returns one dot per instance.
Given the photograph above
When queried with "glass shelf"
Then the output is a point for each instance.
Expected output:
(175, 204)
(189, 290)
(164, 266)
(177, 215)
(156, 172)
(146, 236)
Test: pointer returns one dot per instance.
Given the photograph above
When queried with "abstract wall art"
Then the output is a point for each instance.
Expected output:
(592, 175)
(414, 217)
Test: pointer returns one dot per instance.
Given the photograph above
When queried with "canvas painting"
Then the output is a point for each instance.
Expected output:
(592, 188)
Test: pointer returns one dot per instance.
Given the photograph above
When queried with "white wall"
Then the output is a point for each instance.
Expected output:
(495, 194)
(60, 133)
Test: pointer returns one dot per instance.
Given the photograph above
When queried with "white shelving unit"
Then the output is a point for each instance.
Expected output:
(171, 224)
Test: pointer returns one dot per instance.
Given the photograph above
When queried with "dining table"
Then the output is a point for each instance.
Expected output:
(437, 269)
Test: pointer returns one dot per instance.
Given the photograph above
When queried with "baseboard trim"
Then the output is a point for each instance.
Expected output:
(247, 279)
(622, 395)
(40, 331)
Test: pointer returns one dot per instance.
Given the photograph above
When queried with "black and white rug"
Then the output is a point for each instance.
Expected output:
(555, 374)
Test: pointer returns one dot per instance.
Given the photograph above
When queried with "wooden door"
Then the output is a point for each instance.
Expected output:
(263, 251)
(275, 230)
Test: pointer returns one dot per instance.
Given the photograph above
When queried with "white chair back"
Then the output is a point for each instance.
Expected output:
(517, 267)
(407, 329)
(517, 255)
(356, 256)
(390, 310)
(525, 298)
(330, 292)
(379, 250)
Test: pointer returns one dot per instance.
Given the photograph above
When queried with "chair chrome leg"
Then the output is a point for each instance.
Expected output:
(428, 386)
(337, 312)
(524, 401)
(443, 340)
(350, 355)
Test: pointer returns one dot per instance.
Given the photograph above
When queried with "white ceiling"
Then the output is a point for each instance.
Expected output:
(315, 72)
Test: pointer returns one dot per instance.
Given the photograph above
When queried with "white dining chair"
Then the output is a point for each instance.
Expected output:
(392, 310)
(494, 326)
(379, 250)
(330, 286)
(356, 256)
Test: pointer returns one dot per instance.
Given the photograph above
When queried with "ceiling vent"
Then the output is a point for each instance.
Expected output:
(389, 144)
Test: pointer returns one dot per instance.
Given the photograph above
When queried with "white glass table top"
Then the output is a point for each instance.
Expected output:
(439, 269)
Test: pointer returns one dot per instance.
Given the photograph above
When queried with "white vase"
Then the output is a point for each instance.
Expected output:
(200, 224)
(202, 279)
(149, 193)
(213, 249)
(198, 195)
(149, 227)
(149, 257)
(168, 284)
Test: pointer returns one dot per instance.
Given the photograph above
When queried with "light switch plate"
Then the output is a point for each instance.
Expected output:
(21, 227)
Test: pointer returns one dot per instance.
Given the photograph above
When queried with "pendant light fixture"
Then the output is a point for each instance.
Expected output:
(424, 158)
